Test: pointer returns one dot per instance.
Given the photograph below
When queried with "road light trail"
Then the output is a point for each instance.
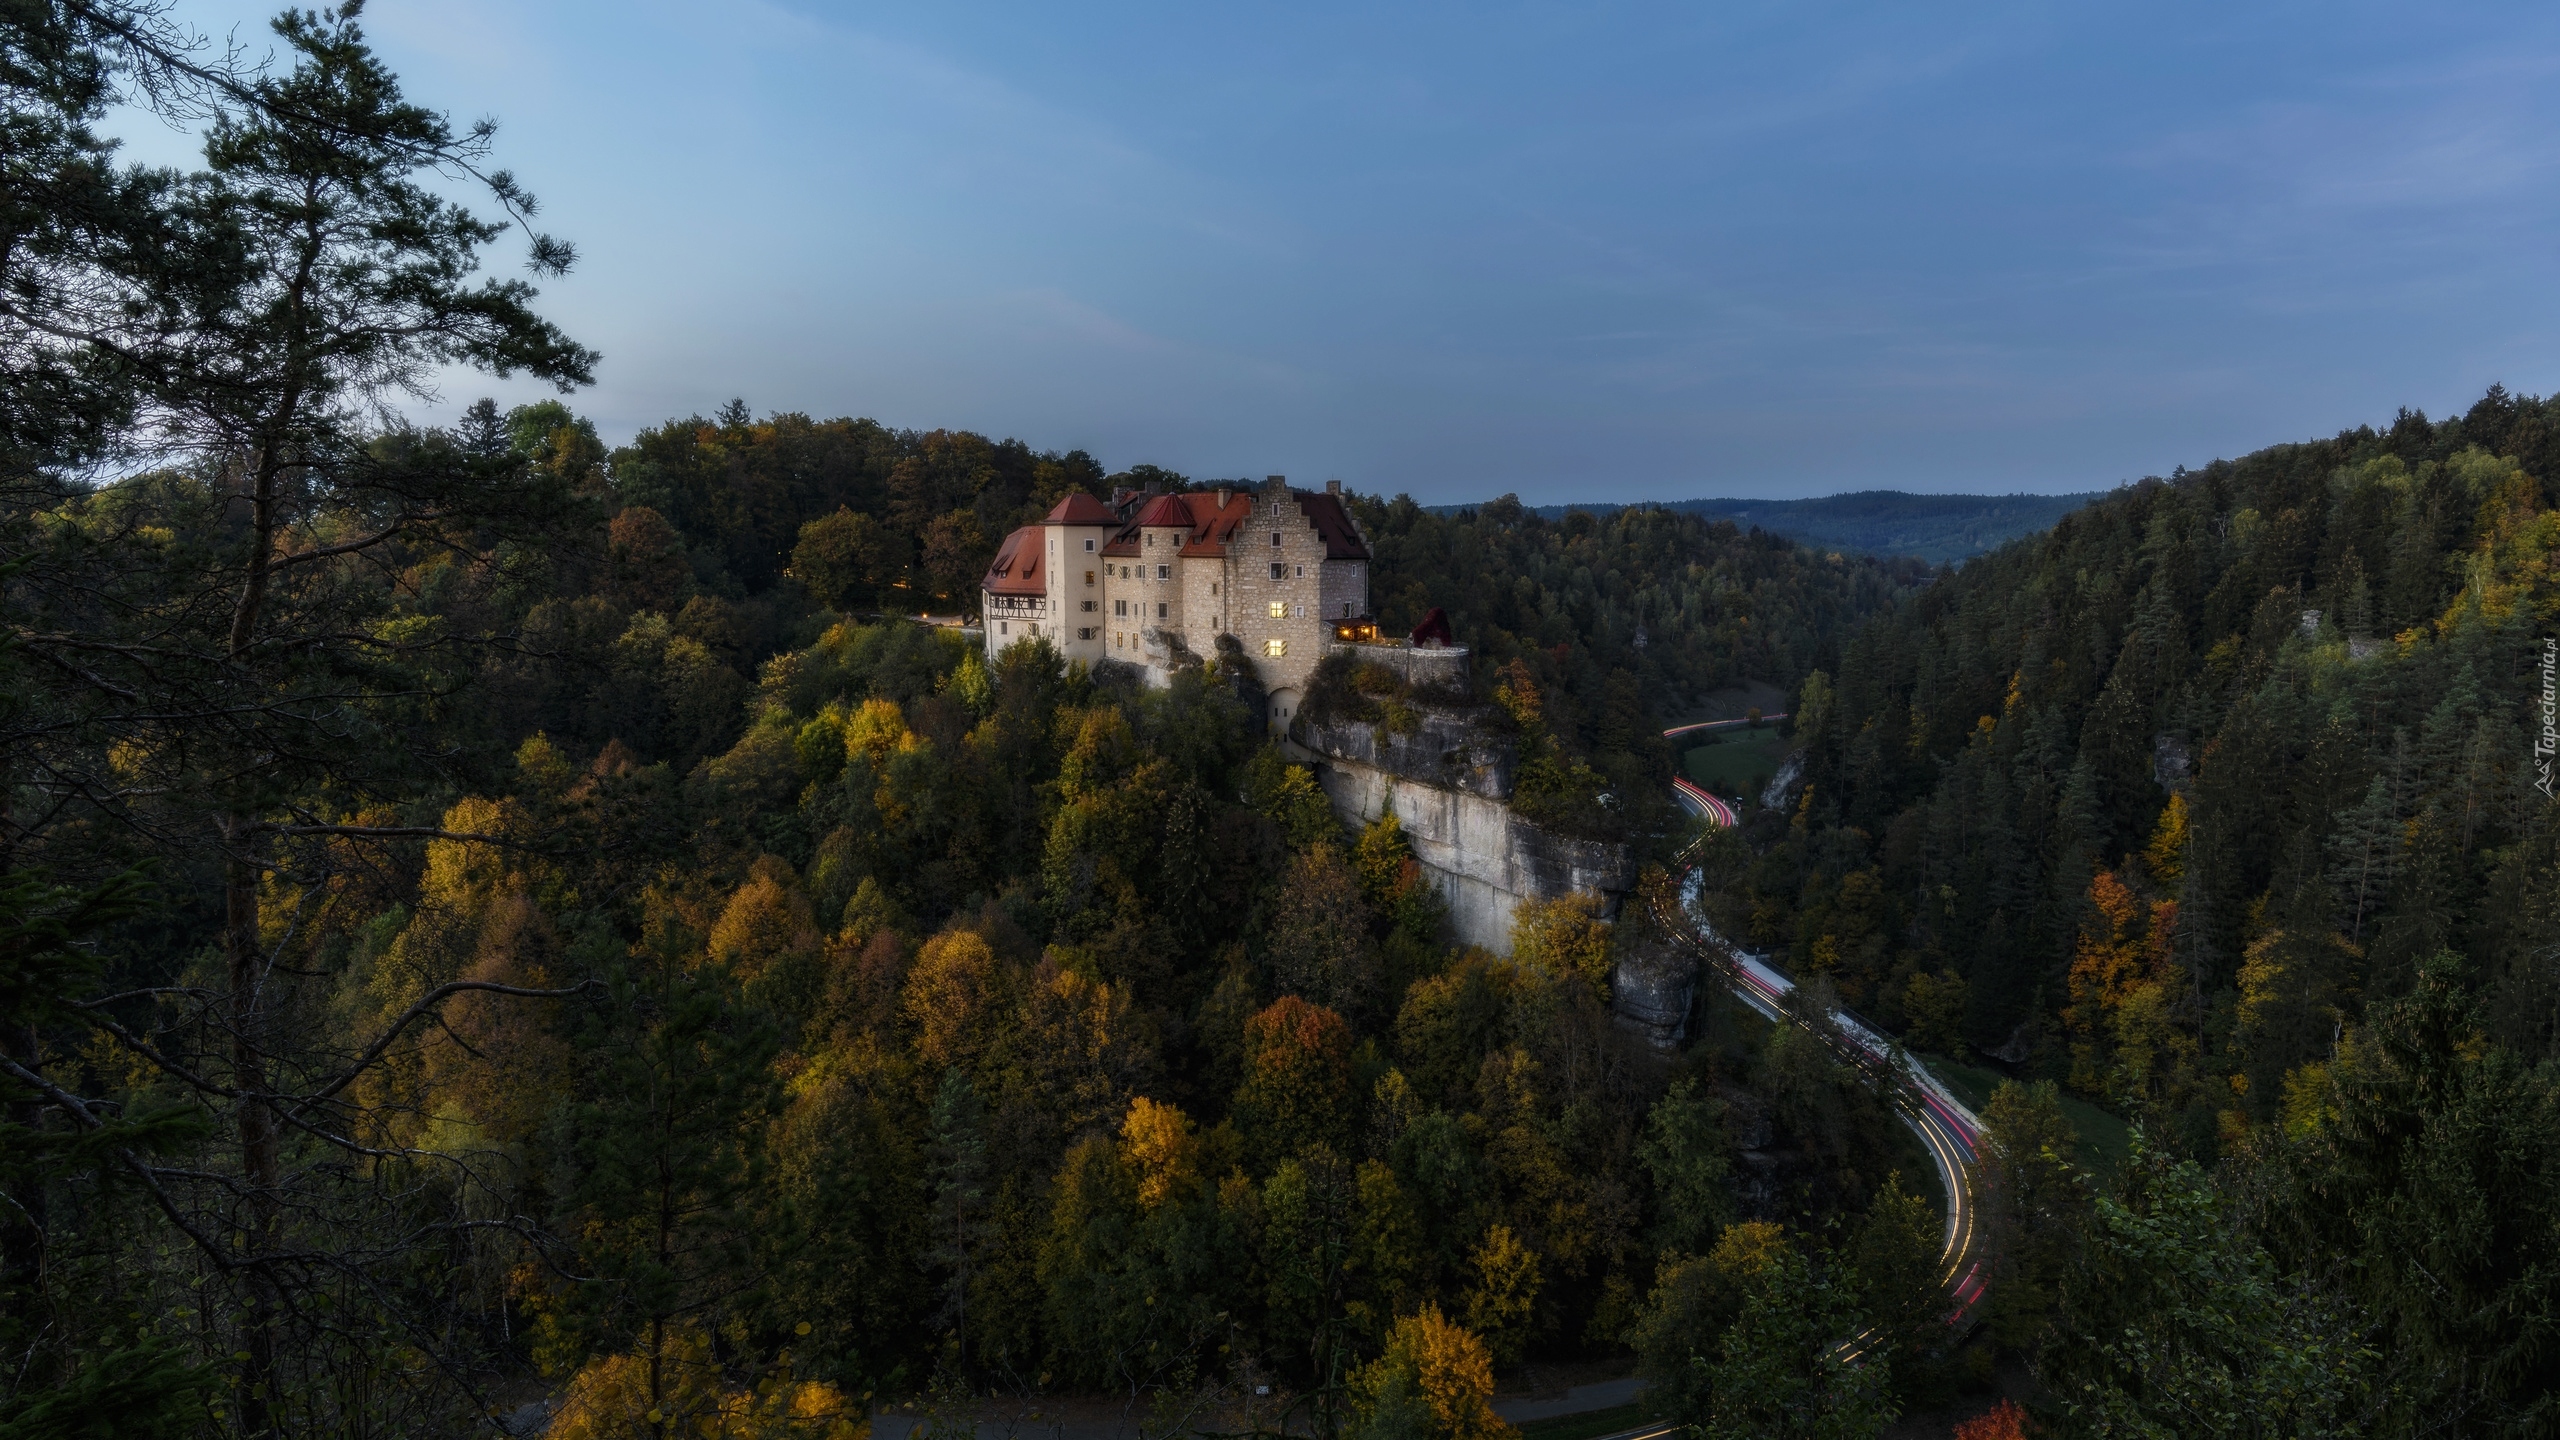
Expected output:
(1950, 1131)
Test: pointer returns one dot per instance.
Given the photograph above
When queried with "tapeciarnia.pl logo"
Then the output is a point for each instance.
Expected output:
(2546, 744)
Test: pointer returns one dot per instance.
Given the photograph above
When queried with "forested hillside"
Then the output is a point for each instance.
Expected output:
(1940, 529)
(1937, 529)
(498, 933)
(2225, 805)
(490, 922)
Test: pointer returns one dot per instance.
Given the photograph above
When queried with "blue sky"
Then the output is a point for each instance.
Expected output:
(1604, 251)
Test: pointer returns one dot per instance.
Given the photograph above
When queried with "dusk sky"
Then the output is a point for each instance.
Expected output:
(1609, 252)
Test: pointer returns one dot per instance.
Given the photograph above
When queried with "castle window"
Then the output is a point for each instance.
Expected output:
(1151, 539)
(1088, 577)
(1119, 607)
(1160, 609)
(1279, 572)
(1275, 539)
(1302, 572)
(1088, 547)
(1346, 609)
(1279, 610)
(1275, 648)
(1002, 629)
(1084, 632)
(1093, 604)
(1213, 587)
(1300, 612)
(1164, 572)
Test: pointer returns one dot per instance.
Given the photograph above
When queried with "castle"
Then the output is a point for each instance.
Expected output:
(1153, 580)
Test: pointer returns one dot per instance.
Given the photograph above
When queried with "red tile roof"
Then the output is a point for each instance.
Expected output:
(1166, 510)
(1081, 509)
(1209, 528)
(1017, 567)
(1333, 522)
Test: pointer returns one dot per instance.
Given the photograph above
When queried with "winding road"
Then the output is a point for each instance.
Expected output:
(1945, 1126)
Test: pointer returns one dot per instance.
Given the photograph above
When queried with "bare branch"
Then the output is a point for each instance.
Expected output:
(426, 1003)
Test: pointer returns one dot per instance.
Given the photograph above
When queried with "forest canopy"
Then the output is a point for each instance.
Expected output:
(501, 931)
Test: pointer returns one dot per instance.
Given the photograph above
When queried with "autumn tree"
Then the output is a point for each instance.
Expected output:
(1297, 1083)
(241, 628)
(1433, 1382)
(845, 559)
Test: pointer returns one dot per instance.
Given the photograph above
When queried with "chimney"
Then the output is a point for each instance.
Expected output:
(1222, 497)
(1333, 487)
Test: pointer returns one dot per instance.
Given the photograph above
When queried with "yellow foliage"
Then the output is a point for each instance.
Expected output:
(1501, 1301)
(765, 919)
(948, 995)
(1077, 1035)
(2166, 855)
(610, 1399)
(541, 763)
(1563, 936)
(2311, 1096)
(877, 729)
(1161, 1148)
(1446, 1367)
(1382, 857)
(464, 875)
(1747, 1248)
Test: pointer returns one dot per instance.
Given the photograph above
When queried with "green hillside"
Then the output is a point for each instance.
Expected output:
(1939, 529)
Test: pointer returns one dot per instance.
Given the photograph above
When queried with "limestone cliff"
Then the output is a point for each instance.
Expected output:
(1449, 777)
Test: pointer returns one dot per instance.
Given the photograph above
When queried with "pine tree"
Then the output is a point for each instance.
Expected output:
(958, 1158)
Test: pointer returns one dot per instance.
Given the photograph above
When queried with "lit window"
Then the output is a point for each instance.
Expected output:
(1275, 648)
(1088, 577)
(1279, 610)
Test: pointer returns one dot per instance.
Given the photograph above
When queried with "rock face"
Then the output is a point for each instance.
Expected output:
(1450, 782)
(1652, 987)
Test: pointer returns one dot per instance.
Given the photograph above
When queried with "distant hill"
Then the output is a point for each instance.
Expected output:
(1935, 528)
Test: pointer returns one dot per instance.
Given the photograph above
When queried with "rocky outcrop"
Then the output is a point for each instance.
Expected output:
(1449, 781)
(1781, 789)
(1653, 986)
(1446, 749)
